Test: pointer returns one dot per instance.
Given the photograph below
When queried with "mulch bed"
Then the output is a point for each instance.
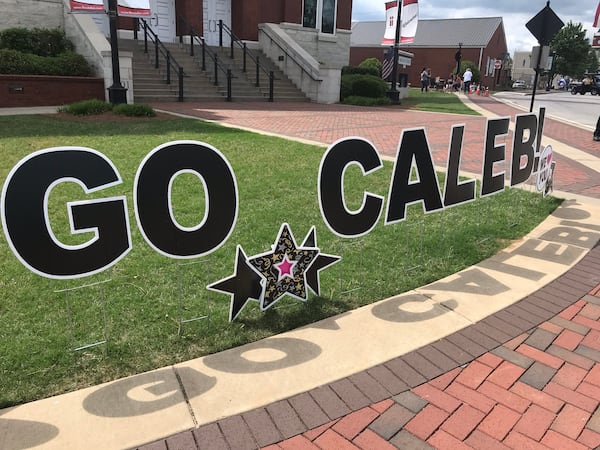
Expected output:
(108, 116)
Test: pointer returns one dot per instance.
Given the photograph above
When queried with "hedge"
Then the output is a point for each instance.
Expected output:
(65, 64)
(362, 86)
(38, 41)
(40, 51)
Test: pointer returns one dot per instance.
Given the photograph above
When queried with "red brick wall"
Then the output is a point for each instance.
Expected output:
(37, 90)
(440, 60)
(247, 14)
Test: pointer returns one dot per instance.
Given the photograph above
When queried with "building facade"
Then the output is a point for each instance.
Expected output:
(480, 40)
(522, 68)
(314, 33)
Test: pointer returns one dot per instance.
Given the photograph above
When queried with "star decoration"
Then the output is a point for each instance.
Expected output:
(288, 269)
(321, 262)
(243, 285)
(284, 249)
(285, 267)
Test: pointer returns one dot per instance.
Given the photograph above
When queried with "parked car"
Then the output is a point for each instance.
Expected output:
(519, 84)
(593, 87)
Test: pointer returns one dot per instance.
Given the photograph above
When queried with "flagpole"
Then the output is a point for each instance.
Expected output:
(393, 94)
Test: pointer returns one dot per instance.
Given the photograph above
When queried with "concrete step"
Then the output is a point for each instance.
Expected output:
(150, 82)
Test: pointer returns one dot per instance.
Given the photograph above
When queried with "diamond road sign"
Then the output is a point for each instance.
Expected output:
(545, 25)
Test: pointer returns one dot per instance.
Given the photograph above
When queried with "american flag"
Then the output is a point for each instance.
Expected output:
(388, 64)
(597, 16)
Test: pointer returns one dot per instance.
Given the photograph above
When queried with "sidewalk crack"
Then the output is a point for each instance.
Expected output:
(185, 396)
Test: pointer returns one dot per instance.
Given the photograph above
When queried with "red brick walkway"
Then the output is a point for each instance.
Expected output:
(383, 127)
(539, 390)
(527, 377)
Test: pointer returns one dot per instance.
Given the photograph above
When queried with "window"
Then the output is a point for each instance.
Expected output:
(319, 14)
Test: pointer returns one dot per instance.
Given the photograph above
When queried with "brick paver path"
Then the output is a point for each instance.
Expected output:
(383, 126)
(538, 390)
(527, 377)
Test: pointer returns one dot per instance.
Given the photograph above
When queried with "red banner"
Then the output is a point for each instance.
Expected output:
(134, 8)
(90, 6)
(125, 8)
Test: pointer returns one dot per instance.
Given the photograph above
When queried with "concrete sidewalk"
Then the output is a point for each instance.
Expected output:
(501, 355)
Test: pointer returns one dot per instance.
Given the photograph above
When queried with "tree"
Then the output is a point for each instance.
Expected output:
(593, 63)
(471, 65)
(572, 51)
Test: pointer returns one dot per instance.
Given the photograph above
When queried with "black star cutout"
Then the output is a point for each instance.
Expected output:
(243, 285)
(321, 262)
(284, 268)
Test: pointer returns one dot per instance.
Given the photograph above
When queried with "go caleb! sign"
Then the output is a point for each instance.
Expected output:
(28, 186)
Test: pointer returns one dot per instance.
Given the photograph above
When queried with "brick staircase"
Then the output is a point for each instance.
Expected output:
(198, 86)
(283, 88)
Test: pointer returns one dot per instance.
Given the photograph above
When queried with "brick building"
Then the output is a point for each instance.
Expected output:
(482, 41)
(315, 32)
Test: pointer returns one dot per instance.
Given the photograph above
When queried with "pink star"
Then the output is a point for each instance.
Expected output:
(285, 268)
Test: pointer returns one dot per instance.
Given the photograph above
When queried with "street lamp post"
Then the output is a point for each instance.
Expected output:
(458, 57)
(393, 93)
(117, 93)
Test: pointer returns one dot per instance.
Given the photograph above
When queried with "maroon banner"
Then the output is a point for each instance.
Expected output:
(89, 6)
(125, 8)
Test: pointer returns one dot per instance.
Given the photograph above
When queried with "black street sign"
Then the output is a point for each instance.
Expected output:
(545, 25)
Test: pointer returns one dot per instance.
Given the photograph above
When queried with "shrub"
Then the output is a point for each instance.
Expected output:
(372, 65)
(355, 70)
(37, 41)
(40, 51)
(366, 101)
(363, 86)
(65, 64)
(14, 62)
(86, 107)
(70, 64)
(135, 110)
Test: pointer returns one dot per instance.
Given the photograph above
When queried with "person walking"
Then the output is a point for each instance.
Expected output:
(424, 80)
(597, 131)
(467, 77)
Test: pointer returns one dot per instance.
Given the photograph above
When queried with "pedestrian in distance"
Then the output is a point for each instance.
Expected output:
(467, 77)
(424, 80)
(457, 83)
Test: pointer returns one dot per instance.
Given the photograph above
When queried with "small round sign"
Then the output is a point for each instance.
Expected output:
(544, 168)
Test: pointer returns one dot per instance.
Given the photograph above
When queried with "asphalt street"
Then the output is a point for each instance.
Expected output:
(582, 110)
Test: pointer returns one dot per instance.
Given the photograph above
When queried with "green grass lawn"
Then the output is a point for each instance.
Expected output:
(146, 294)
(438, 101)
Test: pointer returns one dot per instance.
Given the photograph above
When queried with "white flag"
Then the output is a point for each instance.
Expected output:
(409, 15)
(410, 21)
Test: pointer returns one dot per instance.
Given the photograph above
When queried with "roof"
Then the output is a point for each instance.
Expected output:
(472, 32)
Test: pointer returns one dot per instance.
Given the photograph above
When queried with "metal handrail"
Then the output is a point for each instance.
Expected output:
(160, 49)
(206, 51)
(235, 40)
(313, 77)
